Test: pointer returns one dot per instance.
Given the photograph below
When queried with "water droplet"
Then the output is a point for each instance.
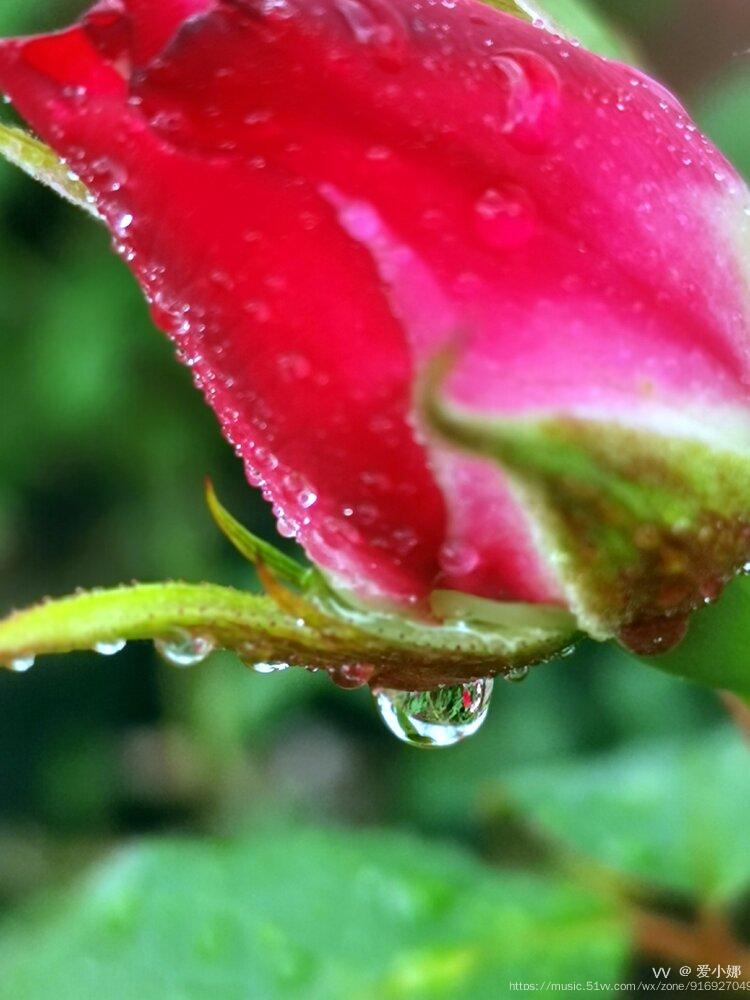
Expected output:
(183, 649)
(22, 663)
(658, 635)
(378, 153)
(307, 498)
(352, 675)
(268, 668)
(458, 559)
(438, 718)
(516, 674)
(285, 527)
(534, 89)
(504, 217)
(110, 648)
(378, 25)
(123, 223)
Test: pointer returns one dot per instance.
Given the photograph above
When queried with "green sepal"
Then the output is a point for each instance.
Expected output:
(254, 549)
(44, 165)
(638, 526)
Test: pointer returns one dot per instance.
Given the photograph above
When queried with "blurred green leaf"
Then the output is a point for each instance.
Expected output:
(307, 914)
(576, 18)
(581, 20)
(578, 705)
(673, 814)
(226, 707)
(723, 111)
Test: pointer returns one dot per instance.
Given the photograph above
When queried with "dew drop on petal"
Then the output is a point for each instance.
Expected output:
(438, 718)
(533, 102)
(183, 649)
(285, 527)
(109, 648)
(458, 559)
(379, 26)
(504, 217)
(123, 223)
(307, 498)
(22, 663)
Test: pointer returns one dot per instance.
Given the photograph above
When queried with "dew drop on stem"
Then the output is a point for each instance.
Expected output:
(268, 668)
(183, 649)
(352, 675)
(110, 647)
(21, 664)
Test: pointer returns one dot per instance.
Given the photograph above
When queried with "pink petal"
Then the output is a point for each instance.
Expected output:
(239, 262)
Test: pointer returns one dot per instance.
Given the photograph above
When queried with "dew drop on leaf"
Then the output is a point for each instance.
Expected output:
(438, 718)
(183, 649)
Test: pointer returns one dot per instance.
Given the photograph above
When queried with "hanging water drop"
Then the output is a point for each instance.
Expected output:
(183, 649)
(22, 663)
(516, 674)
(438, 718)
(657, 635)
(268, 668)
(110, 648)
(352, 675)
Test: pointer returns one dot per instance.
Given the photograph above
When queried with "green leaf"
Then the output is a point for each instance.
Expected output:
(716, 650)
(672, 814)
(44, 165)
(576, 18)
(721, 107)
(308, 914)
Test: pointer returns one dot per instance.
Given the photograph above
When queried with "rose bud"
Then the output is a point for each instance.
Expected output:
(469, 300)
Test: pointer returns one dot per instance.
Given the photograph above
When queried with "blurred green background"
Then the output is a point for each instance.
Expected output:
(596, 788)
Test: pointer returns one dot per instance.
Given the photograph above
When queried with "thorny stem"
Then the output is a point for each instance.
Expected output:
(739, 711)
(707, 941)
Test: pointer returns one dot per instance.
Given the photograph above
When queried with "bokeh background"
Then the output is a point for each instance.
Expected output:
(103, 447)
